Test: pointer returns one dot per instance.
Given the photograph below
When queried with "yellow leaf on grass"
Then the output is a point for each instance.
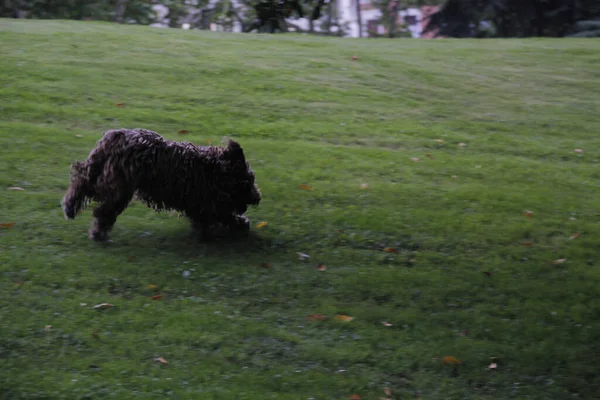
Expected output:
(262, 224)
(305, 187)
(152, 287)
(574, 236)
(7, 225)
(390, 250)
(161, 360)
(343, 318)
(449, 360)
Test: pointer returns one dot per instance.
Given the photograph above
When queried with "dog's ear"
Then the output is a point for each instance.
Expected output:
(234, 150)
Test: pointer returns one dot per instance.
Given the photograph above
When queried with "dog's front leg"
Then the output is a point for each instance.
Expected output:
(105, 216)
(204, 225)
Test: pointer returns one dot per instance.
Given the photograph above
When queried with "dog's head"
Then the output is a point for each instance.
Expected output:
(242, 188)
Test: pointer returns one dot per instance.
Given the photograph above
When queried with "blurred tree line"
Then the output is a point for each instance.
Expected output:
(517, 18)
(260, 15)
(455, 18)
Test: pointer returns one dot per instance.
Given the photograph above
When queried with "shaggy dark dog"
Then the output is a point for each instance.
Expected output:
(212, 186)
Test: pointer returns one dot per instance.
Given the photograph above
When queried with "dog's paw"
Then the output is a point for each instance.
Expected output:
(241, 223)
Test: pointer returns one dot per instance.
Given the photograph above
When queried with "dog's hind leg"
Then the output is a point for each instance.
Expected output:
(105, 216)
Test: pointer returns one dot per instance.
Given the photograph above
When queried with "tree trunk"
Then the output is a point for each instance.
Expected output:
(358, 18)
(329, 16)
(18, 9)
(393, 10)
(120, 11)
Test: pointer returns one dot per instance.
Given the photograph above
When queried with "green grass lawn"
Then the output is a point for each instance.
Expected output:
(454, 141)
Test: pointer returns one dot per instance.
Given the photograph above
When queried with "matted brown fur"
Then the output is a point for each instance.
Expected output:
(210, 185)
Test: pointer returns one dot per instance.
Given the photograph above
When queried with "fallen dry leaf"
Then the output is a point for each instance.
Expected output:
(387, 391)
(574, 236)
(355, 396)
(47, 328)
(262, 224)
(364, 186)
(7, 225)
(527, 244)
(316, 317)
(102, 306)
(15, 188)
(266, 265)
(390, 250)
(182, 131)
(578, 151)
(305, 187)
(156, 297)
(429, 155)
(208, 141)
(415, 159)
(302, 256)
(449, 360)
(462, 145)
(354, 58)
(528, 213)
(79, 136)
(160, 360)
(487, 273)
(559, 261)
(321, 267)
(493, 366)
(152, 287)
(343, 318)
(119, 105)
(386, 324)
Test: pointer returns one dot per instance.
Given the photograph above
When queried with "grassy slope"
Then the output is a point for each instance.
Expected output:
(306, 114)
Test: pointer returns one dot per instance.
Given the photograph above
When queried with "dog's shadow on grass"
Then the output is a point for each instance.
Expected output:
(186, 242)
